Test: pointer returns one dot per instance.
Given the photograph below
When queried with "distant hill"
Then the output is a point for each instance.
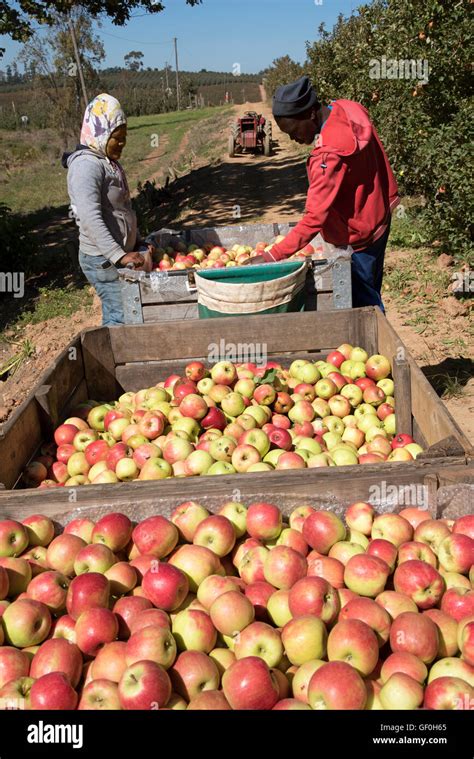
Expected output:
(140, 92)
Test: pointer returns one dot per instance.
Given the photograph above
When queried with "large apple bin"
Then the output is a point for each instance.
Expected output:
(166, 296)
(102, 363)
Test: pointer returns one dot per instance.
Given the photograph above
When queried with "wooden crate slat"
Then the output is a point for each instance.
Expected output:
(170, 312)
(19, 440)
(99, 363)
(135, 376)
(188, 339)
(432, 416)
(348, 484)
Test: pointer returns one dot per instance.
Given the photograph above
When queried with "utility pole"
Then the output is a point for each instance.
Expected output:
(166, 74)
(78, 61)
(175, 40)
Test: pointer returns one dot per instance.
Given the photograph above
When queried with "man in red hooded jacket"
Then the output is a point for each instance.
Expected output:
(352, 190)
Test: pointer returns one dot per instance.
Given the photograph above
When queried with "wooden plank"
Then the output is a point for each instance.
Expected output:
(170, 312)
(457, 475)
(344, 484)
(279, 332)
(48, 414)
(19, 439)
(135, 376)
(368, 335)
(34, 420)
(432, 416)
(401, 378)
(79, 395)
(417, 434)
(99, 363)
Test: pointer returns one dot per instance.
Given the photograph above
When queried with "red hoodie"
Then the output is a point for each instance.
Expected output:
(352, 190)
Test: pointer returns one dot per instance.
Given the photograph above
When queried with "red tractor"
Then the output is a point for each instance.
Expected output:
(250, 133)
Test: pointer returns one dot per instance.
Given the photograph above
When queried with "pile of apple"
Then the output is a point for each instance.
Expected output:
(238, 610)
(210, 256)
(233, 418)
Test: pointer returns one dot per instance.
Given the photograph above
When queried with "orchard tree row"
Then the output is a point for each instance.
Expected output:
(408, 64)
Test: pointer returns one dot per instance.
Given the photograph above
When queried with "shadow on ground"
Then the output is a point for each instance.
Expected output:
(450, 376)
(213, 191)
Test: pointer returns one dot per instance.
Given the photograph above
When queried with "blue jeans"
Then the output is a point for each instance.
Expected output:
(367, 274)
(107, 285)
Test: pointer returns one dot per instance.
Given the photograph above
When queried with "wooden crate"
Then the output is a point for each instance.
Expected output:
(168, 296)
(392, 489)
(104, 362)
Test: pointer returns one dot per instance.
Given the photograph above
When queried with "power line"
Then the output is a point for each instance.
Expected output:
(136, 42)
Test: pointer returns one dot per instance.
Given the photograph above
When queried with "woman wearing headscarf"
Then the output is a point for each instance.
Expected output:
(100, 201)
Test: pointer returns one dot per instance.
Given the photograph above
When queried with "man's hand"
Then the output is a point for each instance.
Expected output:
(254, 261)
(134, 258)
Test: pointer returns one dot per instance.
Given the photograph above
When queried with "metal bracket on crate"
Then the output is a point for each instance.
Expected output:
(191, 286)
(131, 300)
(340, 266)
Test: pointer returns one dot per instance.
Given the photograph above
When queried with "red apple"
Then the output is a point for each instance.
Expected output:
(464, 526)
(374, 615)
(448, 693)
(53, 692)
(415, 634)
(113, 530)
(458, 603)
(249, 684)
(65, 434)
(94, 628)
(127, 610)
(62, 552)
(165, 586)
(322, 529)
(420, 581)
(194, 672)
(81, 527)
(144, 685)
(337, 686)
(13, 664)
(51, 589)
(13, 538)
(353, 641)
(87, 591)
(58, 655)
(313, 595)
(155, 535)
(264, 521)
(284, 567)
(366, 575)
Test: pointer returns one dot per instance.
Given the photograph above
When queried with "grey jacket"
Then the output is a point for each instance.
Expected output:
(101, 204)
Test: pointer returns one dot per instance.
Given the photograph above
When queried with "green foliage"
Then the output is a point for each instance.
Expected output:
(56, 81)
(424, 122)
(282, 71)
(53, 302)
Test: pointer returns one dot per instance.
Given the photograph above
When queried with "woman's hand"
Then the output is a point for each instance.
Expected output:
(135, 258)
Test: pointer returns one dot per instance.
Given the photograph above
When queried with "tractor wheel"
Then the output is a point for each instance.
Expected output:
(231, 146)
(267, 145)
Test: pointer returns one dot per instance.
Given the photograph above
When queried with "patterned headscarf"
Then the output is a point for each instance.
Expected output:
(102, 116)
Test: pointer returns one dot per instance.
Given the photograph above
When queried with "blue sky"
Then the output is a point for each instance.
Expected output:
(216, 34)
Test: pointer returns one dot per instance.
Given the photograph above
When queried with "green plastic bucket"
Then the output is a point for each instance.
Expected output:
(251, 290)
